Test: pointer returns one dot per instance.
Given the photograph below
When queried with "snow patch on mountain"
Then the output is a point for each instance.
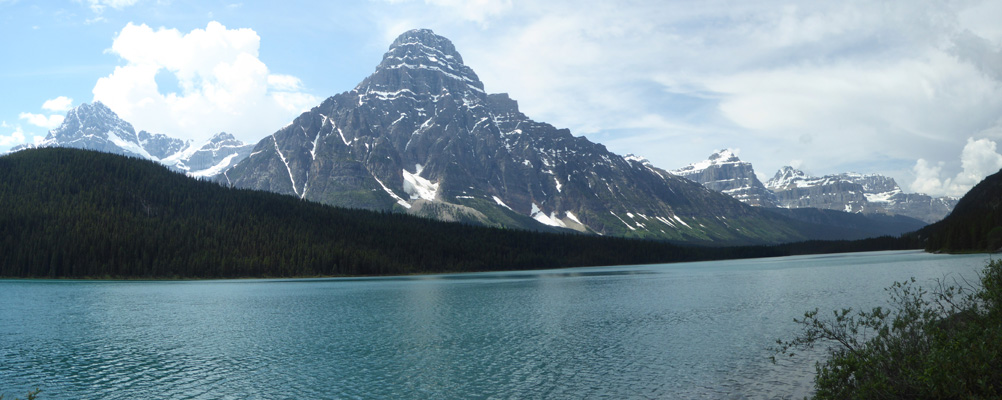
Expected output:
(418, 187)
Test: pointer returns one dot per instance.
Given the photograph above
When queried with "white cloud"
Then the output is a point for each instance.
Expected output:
(98, 6)
(61, 103)
(15, 138)
(479, 11)
(40, 120)
(223, 85)
(928, 178)
(978, 160)
(475, 10)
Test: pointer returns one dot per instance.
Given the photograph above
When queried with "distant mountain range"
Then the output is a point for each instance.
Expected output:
(96, 127)
(421, 136)
(791, 188)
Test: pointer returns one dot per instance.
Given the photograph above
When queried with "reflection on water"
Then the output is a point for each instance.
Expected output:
(655, 331)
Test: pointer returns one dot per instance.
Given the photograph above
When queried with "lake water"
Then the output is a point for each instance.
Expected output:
(654, 331)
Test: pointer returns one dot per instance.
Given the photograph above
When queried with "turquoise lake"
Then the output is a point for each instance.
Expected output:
(689, 330)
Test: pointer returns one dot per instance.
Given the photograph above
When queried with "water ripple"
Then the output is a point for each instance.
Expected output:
(646, 332)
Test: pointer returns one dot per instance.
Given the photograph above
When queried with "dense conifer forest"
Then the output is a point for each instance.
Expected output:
(67, 213)
(975, 225)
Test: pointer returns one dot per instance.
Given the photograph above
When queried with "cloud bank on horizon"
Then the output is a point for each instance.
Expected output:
(907, 88)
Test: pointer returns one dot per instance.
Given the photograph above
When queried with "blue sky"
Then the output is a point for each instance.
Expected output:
(911, 88)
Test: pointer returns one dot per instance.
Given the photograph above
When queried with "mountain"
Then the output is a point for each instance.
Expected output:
(212, 158)
(724, 172)
(853, 192)
(841, 225)
(97, 127)
(159, 146)
(975, 223)
(422, 135)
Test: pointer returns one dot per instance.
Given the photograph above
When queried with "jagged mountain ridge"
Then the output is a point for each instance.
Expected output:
(420, 134)
(854, 192)
(849, 192)
(216, 155)
(96, 127)
(724, 172)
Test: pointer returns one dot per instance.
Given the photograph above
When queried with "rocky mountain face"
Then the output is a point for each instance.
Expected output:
(213, 157)
(855, 193)
(724, 172)
(97, 127)
(421, 135)
(792, 188)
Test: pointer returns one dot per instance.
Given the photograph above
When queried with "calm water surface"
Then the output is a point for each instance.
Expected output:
(655, 331)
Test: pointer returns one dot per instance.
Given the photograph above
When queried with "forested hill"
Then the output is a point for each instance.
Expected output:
(75, 213)
(975, 223)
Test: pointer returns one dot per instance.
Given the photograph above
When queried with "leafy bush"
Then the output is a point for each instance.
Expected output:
(941, 344)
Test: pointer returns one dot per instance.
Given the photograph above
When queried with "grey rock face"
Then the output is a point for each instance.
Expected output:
(724, 172)
(159, 145)
(212, 158)
(95, 127)
(421, 131)
(921, 206)
(855, 193)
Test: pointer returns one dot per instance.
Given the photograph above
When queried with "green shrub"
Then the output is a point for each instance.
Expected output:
(941, 344)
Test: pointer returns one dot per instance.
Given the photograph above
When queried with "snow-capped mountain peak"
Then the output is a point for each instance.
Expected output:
(96, 127)
(724, 172)
(211, 157)
(481, 159)
(724, 156)
(420, 63)
(787, 176)
(854, 192)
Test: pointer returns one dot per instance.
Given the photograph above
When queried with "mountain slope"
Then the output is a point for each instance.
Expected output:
(975, 223)
(840, 225)
(421, 130)
(75, 213)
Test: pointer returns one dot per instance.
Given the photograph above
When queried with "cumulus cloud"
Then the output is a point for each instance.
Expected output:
(978, 160)
(15, 138)
(40, 120)
(61, 103)
(223, 85)
(58, 104)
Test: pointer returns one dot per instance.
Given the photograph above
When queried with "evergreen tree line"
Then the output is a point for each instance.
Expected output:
(975, 225)
(68, 213)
